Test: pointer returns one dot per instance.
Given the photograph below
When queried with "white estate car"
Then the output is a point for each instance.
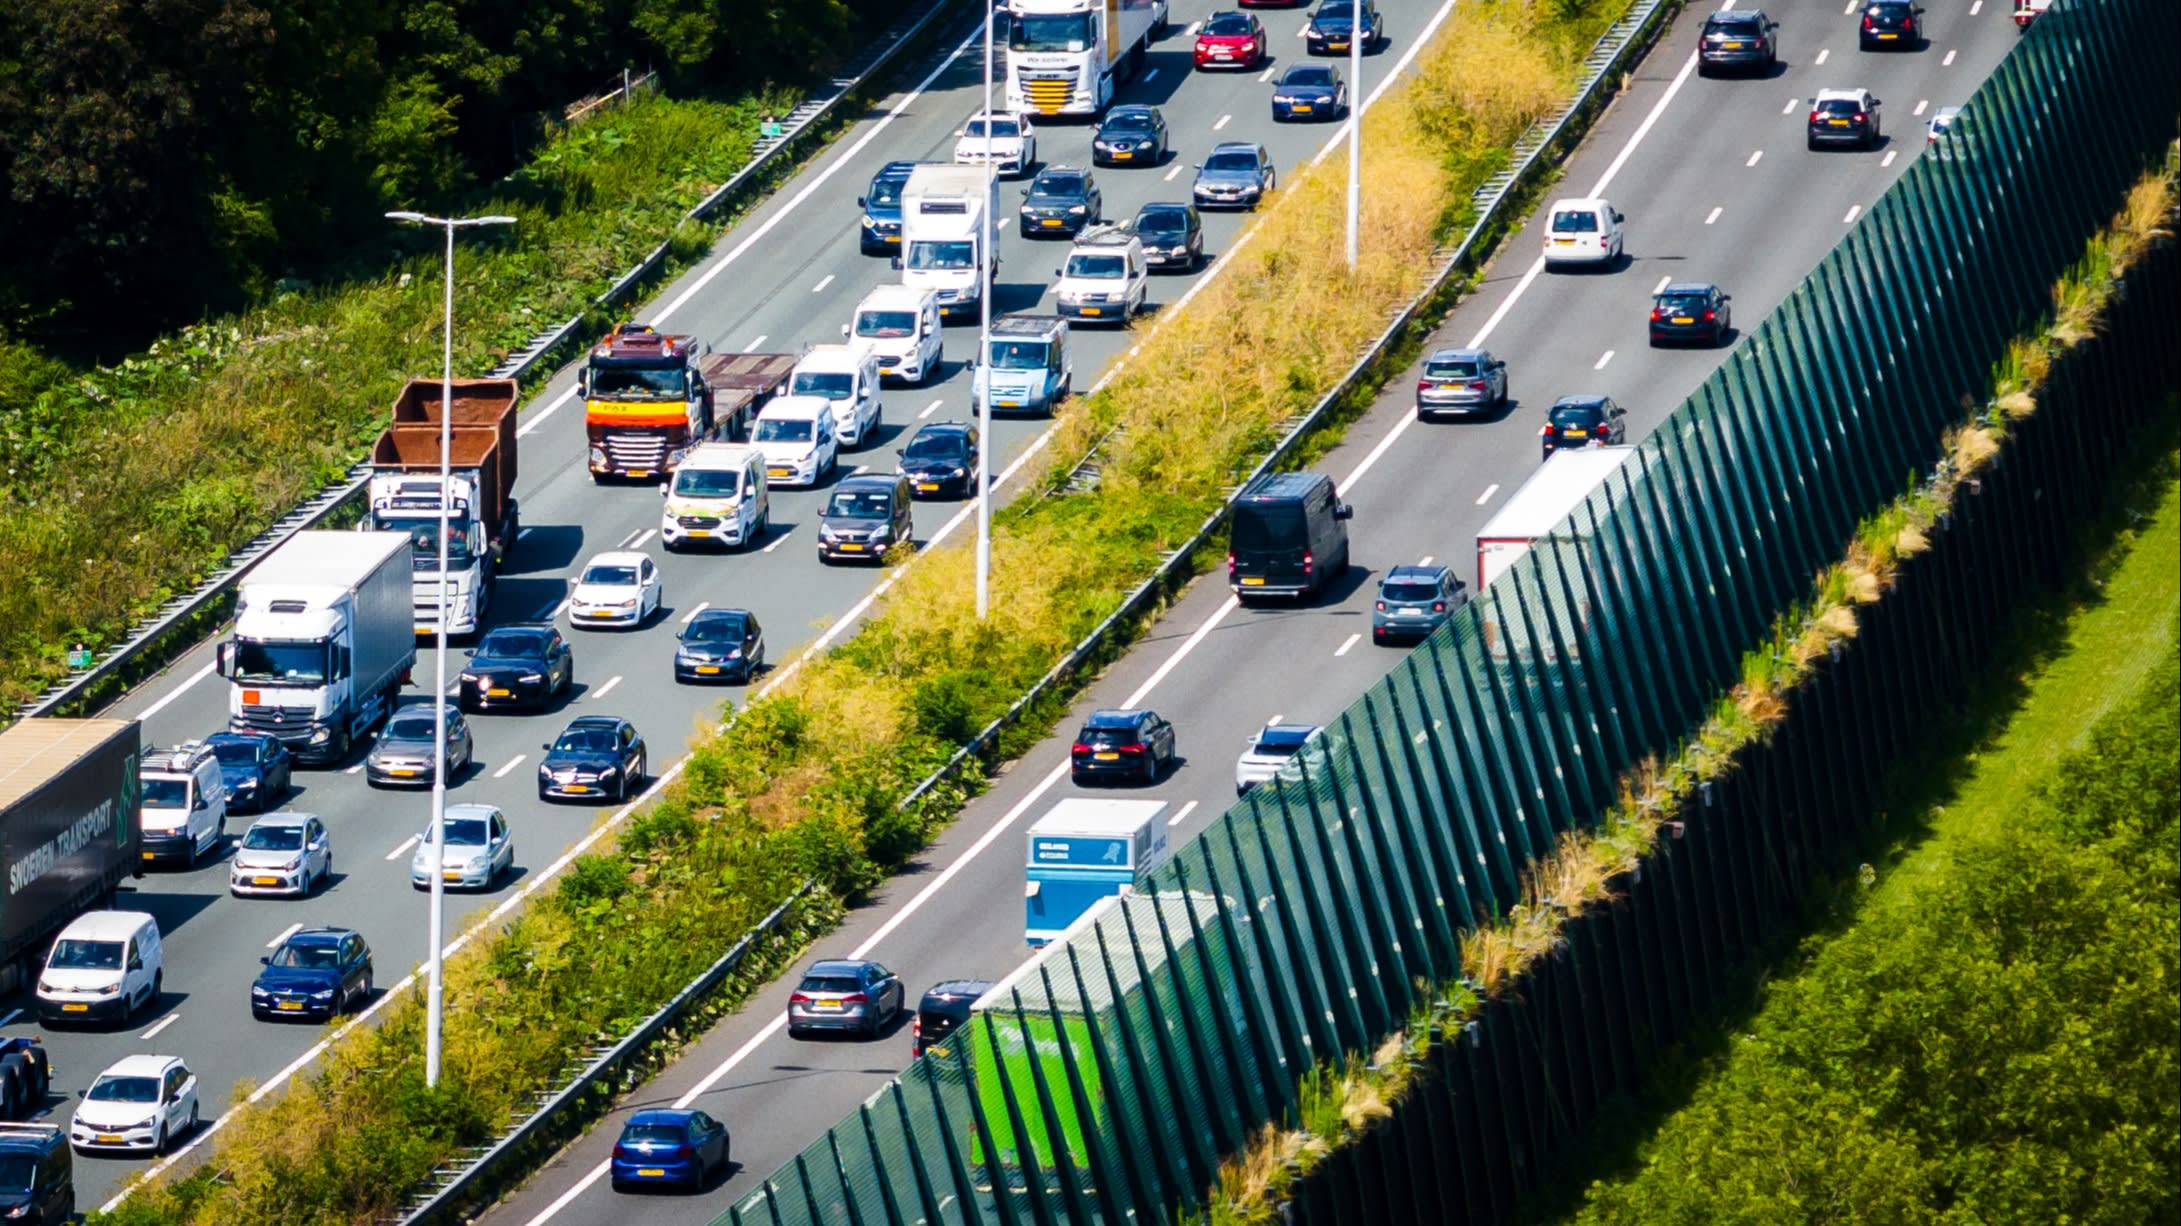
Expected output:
(1013, 142)
(139, 1103)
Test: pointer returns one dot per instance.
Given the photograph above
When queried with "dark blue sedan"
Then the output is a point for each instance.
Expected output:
(255, 767)
(598, 757)
(315, 974)
(1309, 91)
(679, 1148)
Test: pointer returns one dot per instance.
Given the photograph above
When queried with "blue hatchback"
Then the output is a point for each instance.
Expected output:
(682, 1148)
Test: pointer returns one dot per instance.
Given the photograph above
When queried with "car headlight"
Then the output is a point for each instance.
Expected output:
(957, 472)
(470, 678)
(607, 772)
(1074, 209)
(869, 224)
(735, 654)
(290, 865)
(46, 987)
(324, 994)
(245, 785)
(598, 456)
(630, 603)
(257, 993)
(109, 989)
(532, 678)
(321, 736)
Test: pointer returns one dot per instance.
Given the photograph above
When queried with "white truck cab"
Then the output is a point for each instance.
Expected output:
(185, 803)
(717, 495)
(900, 325)
(1105, 279)
(798, 439)
(847, 375)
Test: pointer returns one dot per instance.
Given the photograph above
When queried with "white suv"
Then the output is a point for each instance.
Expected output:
(1105, 278)
(1011, 146)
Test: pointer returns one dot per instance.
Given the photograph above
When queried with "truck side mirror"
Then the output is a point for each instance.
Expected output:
(665, 488)
(224, 659)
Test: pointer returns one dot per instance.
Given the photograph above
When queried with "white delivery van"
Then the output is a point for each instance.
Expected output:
(798, 439)
(846, 375)
(718, 494)
(1585, 231)
(901, 326)
(105, 966)
(1104, 279)
(185, 803)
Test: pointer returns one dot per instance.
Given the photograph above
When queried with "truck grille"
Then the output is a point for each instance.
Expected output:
(1048, 92)
(274, 720)
(645, 451)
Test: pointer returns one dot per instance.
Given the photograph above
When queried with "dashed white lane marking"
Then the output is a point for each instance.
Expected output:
(629, 541)
(1976, 8)
(1754, 157)
(1301, 31)
(1714, 216)
(1851, 7)
(757, 341)
(822, 283)
(1948, 62)
(1277, 716)
(285, 933)
(1150, 75)
(160, 1025)
(779, 540)
(562, 607)
(1222, 122)
(1425, 560)
(643, 536)
(1853, 213)
(410, 842)
(1888, 159)
(353, 769)
(1921, 103)
(1173, 174)
(1792, 103)
(691, 615)
(9, 1020)
(1608, 356)
(1660, 288)
(1194, 26)
(1182, 813)
(512, 763)
(1353, 639)
(1486, 496)
(929, 409)
(605, 689)
(1821, 56)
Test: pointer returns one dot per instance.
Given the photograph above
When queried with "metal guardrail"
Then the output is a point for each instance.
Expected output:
(451, 1182)
(180, 610)
(1536, 149)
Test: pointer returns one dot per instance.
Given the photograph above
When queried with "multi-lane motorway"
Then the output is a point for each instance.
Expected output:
(1715, 183)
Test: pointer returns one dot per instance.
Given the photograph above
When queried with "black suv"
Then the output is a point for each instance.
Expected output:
(1891, 25)
(943, 1011)
(1583, 421)
(1689, 311)
(1738, 38)
(1061, 200)
(37, 1175)
(881, 205)
(1137, 745)
(865, 519)
(941, 460)
(1172, 235)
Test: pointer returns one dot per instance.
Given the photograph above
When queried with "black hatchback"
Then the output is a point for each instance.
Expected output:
(1172, 235)
(1891, 25)
(720, 645)
(1136, 745)
(1687, 312)
(943, 1010)
(1061, 201)
(1584, 421)
(941, 460)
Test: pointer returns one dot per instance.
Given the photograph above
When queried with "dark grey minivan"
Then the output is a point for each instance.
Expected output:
(866, 518)
(1288, 536)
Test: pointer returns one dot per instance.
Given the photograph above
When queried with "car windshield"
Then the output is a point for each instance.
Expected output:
(311, 957)
(1308, 74)
(622, 383)
(1408, 591)
(609, 575)
(829, 983)
(1128, 121)
(1838, 106)
(1681, 304)
(585, 740)
(1575, 221)
(507, 644)
(1096, 266)
(652, 1134)
(1278, 744)
(165, 793)
(460, 832)
(885, 191)
(235, 753)
(884, 324)
(939, 257)
(409, 728)
(76, 954)
(17, 1171)
(784, 429)
(1336, 8)
(1057, 187)
(716, 630)
(1458, 368)
(1162, 221)
(1259, 528)
(275, 663)
(707, 482)
(1229, 24)
(1039, 32)
(858, 504)
(936, 447)
(1889, 12)
(1577, 415)
(1019, 355)
(125, 1090)
(273, 838)
(1002, 129)
(1734, 27)
(1237, 159)
(833, 385)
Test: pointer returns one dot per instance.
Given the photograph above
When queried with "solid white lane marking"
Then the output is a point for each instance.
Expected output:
(1173, 174)
(1663, 282)
(1353, 639)
(1486, 496)
(929, 409)
(414, 839)
(1822, 55)
(1853, 212)
(605, 689)
(512, 763)
(1921, 103)
(1182, 652)
(1184, 812)
(285, 933)
(758, 340)
(1888, 159)
(691, 615)
(1603, 360)
(1948, 62)
(779, 540)
(160, 1025)
(175, 693)
(1715, 215)
(1974, 9)
(1221, 122)
(1753, 158)
(827, 280)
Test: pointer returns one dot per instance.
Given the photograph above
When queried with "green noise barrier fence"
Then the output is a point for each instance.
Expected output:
(1106, 1079)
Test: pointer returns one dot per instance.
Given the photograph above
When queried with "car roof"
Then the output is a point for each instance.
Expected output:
(616, 557)
(1298, 732)
(319, 936)
(1581, 402)
(1455, 355)
(286, 817)
(838, 966)
(594, 721)
(531, 627)
(795, 408)
(1164, 206)
(1577, 204)
(1281, 487)
(472, 810)
(941, 428)
(659, 1115)
(1115, 718)
(876, 483)
(1132, 108)
(1841, 95)
(1326, 70)
(1687, 287)
(1736, 15)
(896, 170)
(227, 738)
(715, 615)
(1238, 146)
(142, 1065)
(106, 925)
(18, 1137)
(953, 988)
(1414, 574)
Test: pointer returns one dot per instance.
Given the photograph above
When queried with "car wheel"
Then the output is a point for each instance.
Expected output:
(159, 1140)
(795, 1032)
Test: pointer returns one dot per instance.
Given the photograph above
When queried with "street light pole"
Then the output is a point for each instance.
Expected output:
(1355, 123)
(981, 373)
(436, 992)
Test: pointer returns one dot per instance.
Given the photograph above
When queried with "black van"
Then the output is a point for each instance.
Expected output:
(1288, 537)
(37, 1175)
(866, 518)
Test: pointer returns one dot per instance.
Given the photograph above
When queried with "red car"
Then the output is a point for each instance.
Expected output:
(1231, 40)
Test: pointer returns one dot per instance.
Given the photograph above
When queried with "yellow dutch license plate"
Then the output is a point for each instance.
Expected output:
(109, 1138)
(1339, 46)
(1889, 36)
(893, 238)
(639, 472)
(1253, 581)
(652, 1172)
(264, 881)
(1578, 433)
(75, 1008)
(826, 1006)
(291, 1006)
(1732, 46)
(402, 774)
(577, 787)
(708, 669)
(1684, 319)
(1563, 242)
(1050, 221)
(1122, 155)
(847, 548)
(1838, 123)
(452, 875)
(499, 693)
(700, 532)
(1301, 107)
(149, 855)
(928, 487)
(1107, 757)
(1010, 404)
(1093, 310)
(779, 472)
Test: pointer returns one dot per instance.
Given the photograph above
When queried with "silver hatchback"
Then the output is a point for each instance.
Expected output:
(1461, 381)
(403, 754)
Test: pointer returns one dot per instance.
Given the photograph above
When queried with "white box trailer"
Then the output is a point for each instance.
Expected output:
(1537, 512)
(1084, 850)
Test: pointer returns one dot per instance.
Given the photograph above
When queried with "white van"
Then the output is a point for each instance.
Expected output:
(718, 493)
(901, 326)
(848, 376)
(105, 966)
(798, 439)
(185, 803)
(1104, 279)
(1585, 231)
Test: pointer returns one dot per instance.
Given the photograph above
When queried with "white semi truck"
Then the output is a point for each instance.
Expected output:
(1069, 57)
(1537, 513)
(950, 228)
(323, 641)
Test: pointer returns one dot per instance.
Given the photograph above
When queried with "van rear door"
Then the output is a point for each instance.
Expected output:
(1270, 543)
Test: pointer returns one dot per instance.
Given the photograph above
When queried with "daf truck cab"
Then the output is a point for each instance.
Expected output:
(185, 803)
(901, 326)
(1027, 366)
(645, 402)
(719, 495)
(1069, 57)
(848, 376)
(1105, 279)
(950, 238)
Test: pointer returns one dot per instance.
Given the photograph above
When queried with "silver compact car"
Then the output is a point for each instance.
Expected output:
(283, 855)
(479, 848)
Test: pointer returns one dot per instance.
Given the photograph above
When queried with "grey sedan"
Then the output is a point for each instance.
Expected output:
(1460, 381)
